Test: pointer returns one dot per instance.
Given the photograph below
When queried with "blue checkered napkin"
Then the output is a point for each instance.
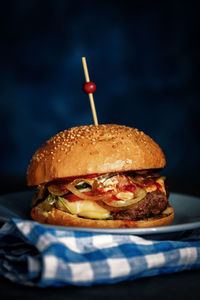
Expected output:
(33, 254)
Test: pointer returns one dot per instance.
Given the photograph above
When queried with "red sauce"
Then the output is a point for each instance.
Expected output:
(158, 185)
(129, 188)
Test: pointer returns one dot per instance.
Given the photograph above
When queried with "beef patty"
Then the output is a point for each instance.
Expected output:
(152, 204)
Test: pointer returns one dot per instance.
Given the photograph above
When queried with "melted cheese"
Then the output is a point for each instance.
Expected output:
(161, 182)
(87, 209)
(153, 187)
(125, 195)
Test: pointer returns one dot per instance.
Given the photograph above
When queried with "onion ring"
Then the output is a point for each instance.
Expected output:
(123, 203)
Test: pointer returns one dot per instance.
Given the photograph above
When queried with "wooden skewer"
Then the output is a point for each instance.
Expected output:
(87, 79)
(93, 109)
(85, 69)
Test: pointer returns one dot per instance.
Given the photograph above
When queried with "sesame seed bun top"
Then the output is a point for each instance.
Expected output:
(94, 149)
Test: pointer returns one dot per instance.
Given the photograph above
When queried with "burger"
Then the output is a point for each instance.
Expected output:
(104, 176)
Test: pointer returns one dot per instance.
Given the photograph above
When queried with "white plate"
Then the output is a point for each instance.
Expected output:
(187, 215)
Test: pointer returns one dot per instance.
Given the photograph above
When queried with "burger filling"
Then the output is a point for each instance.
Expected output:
(126, 196)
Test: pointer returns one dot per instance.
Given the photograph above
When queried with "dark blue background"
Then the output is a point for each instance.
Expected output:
(143, 57)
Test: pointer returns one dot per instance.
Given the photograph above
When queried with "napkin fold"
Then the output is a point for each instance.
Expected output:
(36, 255)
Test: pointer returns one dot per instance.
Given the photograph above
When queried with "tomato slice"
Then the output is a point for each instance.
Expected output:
(72, 197)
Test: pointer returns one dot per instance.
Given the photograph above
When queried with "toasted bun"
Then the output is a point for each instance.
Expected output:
(94, 149)
(60, 218)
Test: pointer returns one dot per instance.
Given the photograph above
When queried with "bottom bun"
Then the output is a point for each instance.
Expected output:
(61, 218)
